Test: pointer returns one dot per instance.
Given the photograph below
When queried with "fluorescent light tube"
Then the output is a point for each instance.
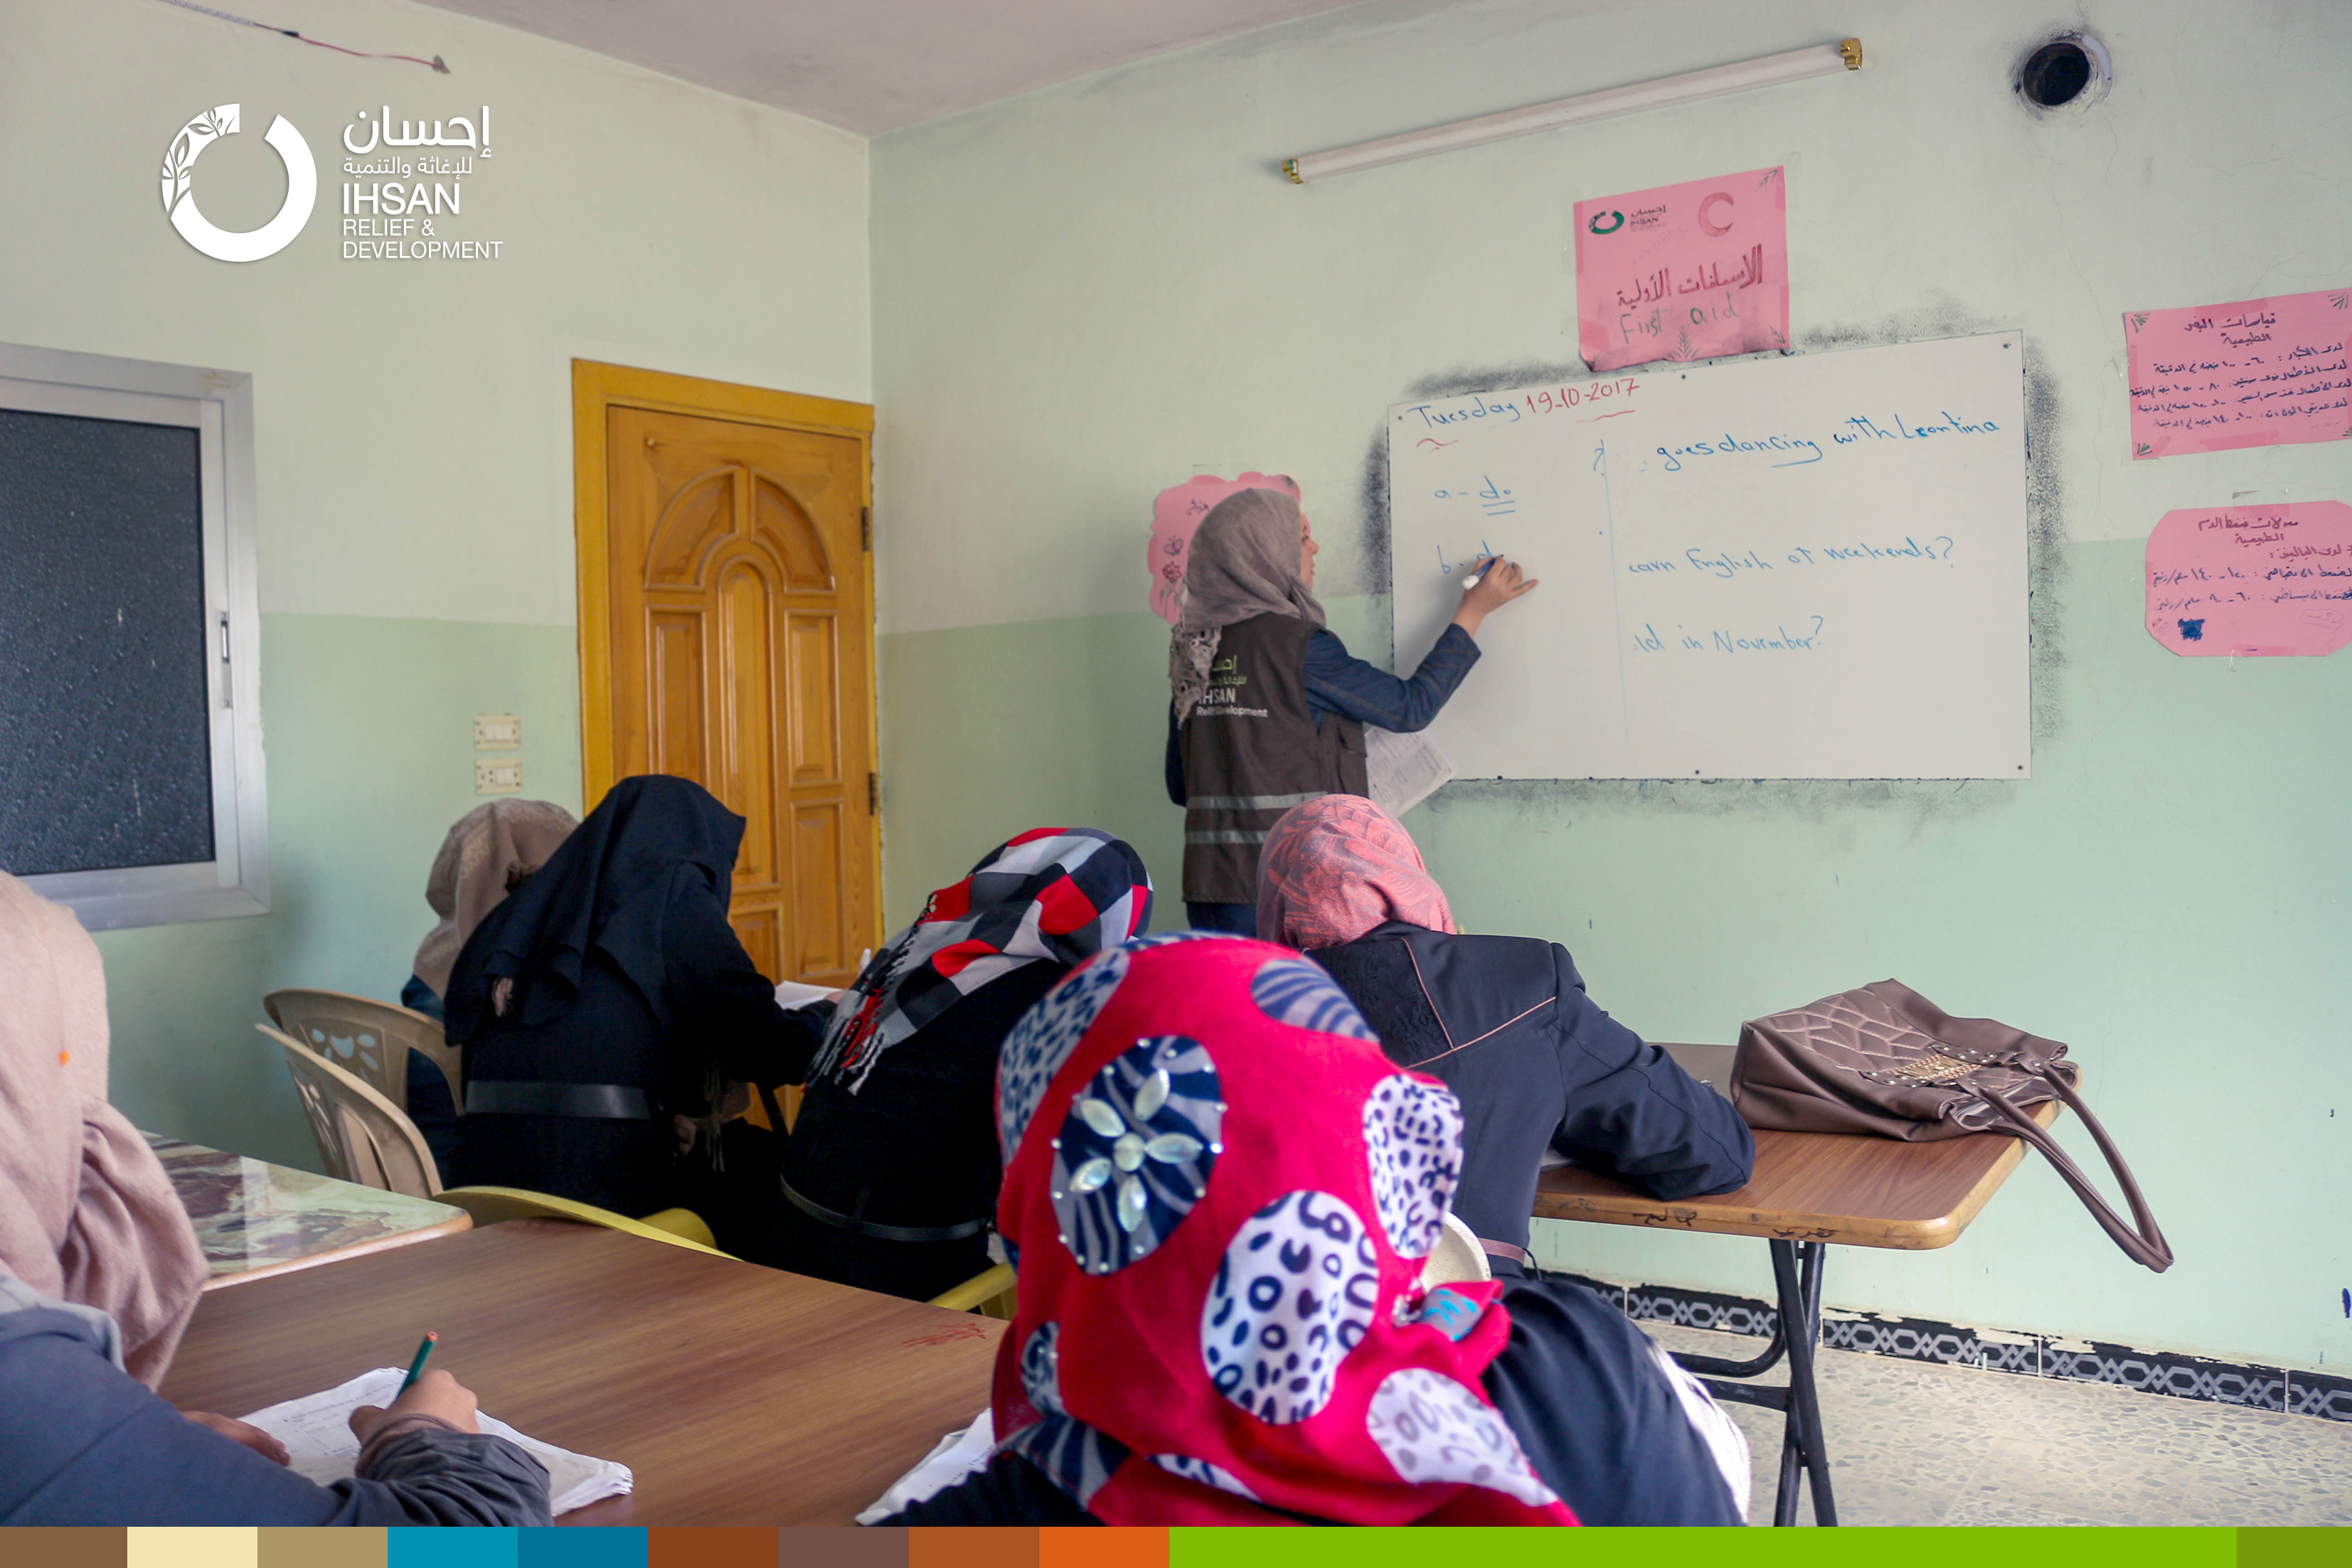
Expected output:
(1822, 59)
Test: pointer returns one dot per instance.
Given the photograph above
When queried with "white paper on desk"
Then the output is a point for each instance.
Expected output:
(952, 1458)
(317, 1432)
(793, 994)
(1404, 769)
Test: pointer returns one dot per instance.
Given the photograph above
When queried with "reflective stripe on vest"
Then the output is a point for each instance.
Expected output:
(1254, 802)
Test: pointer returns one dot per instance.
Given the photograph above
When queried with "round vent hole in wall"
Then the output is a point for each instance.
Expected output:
(2070, 71)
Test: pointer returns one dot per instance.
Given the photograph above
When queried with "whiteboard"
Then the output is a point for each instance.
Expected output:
(1801, 568)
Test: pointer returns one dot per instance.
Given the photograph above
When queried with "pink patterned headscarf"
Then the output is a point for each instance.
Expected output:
(1337, 866)
(86, 1214)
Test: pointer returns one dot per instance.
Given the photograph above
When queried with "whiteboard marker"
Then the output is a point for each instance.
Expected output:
(1471, 581)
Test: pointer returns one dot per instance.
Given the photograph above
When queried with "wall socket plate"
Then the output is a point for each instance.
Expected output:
(498, 776)
(497, 731)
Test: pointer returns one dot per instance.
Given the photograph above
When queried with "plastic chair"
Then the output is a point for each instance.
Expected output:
(497, 1205)
(989, 1293)
(1456, 1259)
(362, 1136)
(371, 1037)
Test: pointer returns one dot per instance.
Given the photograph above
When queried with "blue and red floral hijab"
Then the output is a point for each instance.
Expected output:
(1222, 1194)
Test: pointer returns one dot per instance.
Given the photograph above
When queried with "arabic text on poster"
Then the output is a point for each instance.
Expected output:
(1693, 271)
(2251, 580)
(2258, 372)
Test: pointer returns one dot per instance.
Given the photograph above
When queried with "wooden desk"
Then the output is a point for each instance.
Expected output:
(1811, 1186)
(1808, 1189)
(738, 1395)
(254, 1219)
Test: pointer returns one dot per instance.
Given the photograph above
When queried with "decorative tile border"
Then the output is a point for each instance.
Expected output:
(2160, 1372)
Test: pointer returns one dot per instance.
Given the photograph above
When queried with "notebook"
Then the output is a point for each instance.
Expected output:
(318, 1436)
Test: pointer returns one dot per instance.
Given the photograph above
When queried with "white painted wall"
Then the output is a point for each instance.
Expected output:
(1086, 293)
(414, 419)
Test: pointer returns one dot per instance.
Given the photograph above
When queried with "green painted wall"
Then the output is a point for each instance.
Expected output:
(369, 727)
(2168, 895)
(1091, 292)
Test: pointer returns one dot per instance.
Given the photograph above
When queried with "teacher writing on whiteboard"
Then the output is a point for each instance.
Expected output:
(1269, 706)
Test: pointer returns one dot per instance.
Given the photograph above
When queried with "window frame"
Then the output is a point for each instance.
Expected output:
(218, 406)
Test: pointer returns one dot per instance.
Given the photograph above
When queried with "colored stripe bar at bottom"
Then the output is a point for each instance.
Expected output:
(846, 1547)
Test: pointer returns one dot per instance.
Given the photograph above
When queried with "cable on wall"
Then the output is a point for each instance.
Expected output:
(434, 63)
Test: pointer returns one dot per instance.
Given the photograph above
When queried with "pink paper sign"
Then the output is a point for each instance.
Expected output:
(2261, 373)
(2252, 580)
(1684, 272)
(1174, 518)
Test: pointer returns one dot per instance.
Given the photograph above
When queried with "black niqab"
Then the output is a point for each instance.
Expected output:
(607, 887)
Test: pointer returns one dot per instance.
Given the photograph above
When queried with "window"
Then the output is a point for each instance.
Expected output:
(130, 765)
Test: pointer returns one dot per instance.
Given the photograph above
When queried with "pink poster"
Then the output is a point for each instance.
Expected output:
(1684, 272)
(2261, 373)
(2252, 580)
(1175, 514)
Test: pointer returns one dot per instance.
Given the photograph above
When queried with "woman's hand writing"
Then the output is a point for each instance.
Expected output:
(1499, 583)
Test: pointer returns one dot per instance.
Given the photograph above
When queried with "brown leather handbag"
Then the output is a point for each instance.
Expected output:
(1885, 1060)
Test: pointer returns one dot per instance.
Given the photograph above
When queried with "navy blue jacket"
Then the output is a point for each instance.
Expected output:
(82, 1442)
(1505, 1021)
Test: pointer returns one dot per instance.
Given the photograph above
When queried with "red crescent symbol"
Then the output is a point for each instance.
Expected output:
(1709, 224)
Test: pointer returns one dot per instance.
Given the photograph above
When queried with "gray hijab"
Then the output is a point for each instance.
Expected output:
(1243, 561)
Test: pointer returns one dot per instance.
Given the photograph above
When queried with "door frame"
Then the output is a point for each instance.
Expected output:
(597, 387)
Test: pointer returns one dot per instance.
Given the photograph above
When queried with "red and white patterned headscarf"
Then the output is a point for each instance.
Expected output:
(1051, 895)
(1222, 1195)
(1337, 866)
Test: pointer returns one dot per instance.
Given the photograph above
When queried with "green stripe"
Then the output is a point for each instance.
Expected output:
(1845, 1548)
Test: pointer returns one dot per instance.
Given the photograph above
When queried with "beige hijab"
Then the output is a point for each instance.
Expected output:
(491, 849)
(1243, 561)
(86, 1214)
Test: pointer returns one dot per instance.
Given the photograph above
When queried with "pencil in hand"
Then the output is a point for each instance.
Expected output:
(416, 1367)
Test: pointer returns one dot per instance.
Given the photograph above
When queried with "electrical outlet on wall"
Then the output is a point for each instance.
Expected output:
(498, 775)
(497, 731)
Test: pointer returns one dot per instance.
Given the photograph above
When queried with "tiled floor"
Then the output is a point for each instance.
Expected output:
(1916, 1443)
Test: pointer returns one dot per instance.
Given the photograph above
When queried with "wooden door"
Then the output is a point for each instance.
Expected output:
(736, 631)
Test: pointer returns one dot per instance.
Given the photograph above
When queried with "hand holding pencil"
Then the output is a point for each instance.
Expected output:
(422, 1393)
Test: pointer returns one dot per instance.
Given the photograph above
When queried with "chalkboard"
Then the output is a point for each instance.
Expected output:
(1811, 567)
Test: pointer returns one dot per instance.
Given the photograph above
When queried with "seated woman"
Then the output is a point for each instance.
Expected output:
(1504, 1020)
(490, 852)
(600, 999)
(100, 1273)
(1222, 1195)
(890, 1174)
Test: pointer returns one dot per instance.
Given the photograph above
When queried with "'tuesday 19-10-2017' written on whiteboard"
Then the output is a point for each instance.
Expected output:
(1801, 568)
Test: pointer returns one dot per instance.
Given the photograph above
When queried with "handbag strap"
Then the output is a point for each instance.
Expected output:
(2140, 1240)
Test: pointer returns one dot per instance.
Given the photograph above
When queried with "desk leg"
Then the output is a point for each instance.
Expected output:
(1797, 1277)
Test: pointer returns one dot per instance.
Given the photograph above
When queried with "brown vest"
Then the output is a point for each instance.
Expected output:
(1251, 751)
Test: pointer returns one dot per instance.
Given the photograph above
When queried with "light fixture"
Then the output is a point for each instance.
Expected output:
(1822, 59)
